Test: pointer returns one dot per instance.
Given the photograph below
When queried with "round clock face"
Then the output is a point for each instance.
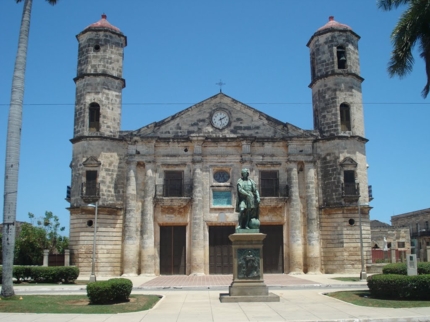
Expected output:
(220, 119)
(221, 176)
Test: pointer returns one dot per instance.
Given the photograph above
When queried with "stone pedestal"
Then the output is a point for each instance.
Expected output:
(248, 283)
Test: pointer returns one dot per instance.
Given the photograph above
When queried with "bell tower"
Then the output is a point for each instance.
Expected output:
(341, 154)
(336, 80)
(99, 81)
(97, 150)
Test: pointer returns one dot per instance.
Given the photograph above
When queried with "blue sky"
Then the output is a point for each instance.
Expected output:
(178, 50)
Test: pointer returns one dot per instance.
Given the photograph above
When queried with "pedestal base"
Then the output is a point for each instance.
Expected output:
(227, 298)
(248, 282)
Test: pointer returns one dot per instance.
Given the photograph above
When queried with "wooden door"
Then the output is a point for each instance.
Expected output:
(220, 250)
(172, 250)
(273, 250)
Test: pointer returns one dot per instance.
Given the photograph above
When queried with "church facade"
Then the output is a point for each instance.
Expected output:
(166, 192)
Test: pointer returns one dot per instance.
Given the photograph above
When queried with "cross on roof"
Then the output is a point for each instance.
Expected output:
(220, 84)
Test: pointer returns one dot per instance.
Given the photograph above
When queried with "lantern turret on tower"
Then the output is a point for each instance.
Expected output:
(99, 81)
(336, 80)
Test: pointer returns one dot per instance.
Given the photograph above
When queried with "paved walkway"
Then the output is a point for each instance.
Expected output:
(196, 298)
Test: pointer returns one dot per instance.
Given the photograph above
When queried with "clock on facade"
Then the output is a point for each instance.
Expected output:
(221, 176)
(220, 119)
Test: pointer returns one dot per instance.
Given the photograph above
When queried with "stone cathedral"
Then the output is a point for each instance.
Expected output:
(166, 192)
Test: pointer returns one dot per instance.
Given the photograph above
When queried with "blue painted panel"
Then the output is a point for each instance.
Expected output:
(221, 198)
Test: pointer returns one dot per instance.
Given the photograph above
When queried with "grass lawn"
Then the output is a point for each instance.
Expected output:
(347, 279)
(363, 298)
(73, 304)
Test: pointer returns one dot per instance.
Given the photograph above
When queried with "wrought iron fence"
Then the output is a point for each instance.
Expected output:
(177, 190)
(90, 191)
(350, 189)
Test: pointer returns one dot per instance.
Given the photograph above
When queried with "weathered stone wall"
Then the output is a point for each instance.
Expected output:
(108, 240)
(105, 91)
(100, 52)
(340, 241)
(331, 154)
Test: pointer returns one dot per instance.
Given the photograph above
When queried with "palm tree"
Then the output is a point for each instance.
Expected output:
(412, 27)
(13, 149)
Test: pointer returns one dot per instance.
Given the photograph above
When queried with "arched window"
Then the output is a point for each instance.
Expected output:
(345, 117)
(341, 57)
(313, 72)
(94, 117)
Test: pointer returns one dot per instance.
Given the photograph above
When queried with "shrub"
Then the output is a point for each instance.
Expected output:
(121, 288)
(401, 269)
(99, 292)
(111, 291)
(395, 286)
(43, 274)
(395, 268)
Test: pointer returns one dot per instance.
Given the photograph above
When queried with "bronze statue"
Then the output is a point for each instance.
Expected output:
(248, 200)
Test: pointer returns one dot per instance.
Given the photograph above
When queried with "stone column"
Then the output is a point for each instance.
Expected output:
(393, 258)
(295, 223)
(313, 251)
(148, 245)
(45, 257)
(131, 226)
(67, 257)
(197, 246)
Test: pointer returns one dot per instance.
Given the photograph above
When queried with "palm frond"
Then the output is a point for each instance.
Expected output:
(52, 2)
(425, 54)
(403, 39)
(388, 5)
(412, 26)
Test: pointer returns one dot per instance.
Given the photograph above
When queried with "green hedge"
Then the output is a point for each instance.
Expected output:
(111, 291)
(43, 274)
(395, 286)
(401, 269)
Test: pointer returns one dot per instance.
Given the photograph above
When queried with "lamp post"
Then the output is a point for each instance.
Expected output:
(363, 274)
(93, 261)
(90, 194)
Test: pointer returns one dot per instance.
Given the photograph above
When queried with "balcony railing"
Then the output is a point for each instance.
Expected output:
(420, 233)
(350, 189)
(90, 192)
(278, 192)
(369, 188)
(174, 191)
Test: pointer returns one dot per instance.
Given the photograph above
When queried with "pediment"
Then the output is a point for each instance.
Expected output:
(91, 162)
(348, 162)
(197, 120)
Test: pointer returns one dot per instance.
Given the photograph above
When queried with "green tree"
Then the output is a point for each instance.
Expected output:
(13, 146)
(42, 233)
(50, 224)
(30, 245)
(413, 27)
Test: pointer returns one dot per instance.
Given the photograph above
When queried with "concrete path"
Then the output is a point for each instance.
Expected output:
(184, 299)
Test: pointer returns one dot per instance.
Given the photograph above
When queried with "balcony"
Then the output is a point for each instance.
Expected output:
(369, 189)
(90, 192)
(173, 195)
(421, 233)
(350, 191)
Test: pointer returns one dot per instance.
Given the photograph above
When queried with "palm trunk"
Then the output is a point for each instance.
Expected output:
(13, 146)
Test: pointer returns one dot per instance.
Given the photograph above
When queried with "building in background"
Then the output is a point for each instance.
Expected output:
(389, 244)
(418, 224)
(167, 191)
